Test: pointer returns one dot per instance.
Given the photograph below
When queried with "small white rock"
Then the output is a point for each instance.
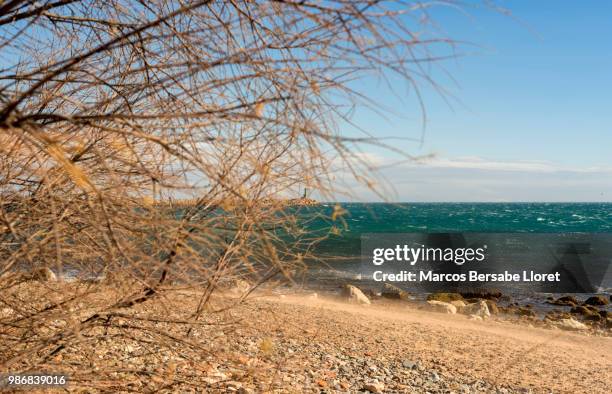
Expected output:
(44, 274)
(442, 307)
(355, 295)
(571, 324)
(477, 308)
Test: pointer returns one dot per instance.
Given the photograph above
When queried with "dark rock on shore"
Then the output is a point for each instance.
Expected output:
(557, 315)
(394, 293)
(587, 313)
(596, 300)
(564, 301)
(595, 317)
(482, 294)
(526, 311)
(518, 311)
(507, 310)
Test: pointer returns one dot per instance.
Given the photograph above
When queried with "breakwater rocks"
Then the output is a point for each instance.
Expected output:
(190, 202)
(572, 314)
(597, 300)
(301, 202)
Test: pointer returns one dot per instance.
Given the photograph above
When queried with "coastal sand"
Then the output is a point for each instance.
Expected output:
(297, 343)
(501, 353)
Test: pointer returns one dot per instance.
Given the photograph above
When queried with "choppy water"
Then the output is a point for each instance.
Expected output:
(342, 247)
(457, 217)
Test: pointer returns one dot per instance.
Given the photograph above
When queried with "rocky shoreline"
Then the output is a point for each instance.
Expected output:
(570, 313)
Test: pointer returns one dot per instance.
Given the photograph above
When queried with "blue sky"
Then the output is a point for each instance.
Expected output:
(532, 115)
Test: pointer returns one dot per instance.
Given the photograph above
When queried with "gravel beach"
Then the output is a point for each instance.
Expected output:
(325, 345)
(295, 343)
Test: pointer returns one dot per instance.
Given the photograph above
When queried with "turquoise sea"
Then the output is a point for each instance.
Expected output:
(457, 217)
(341, 250)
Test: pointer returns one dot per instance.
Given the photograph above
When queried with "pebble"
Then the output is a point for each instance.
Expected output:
(374, 387)
(410, 364)
(435, 377)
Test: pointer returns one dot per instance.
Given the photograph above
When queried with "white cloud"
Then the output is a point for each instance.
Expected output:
(479, 179)
(479, 163)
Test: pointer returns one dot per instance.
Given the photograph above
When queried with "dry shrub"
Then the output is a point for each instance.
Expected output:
(111, 111)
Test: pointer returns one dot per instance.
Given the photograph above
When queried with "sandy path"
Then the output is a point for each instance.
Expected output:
(499, 352)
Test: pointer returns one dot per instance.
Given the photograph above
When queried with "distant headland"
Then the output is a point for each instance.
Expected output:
(190, 202)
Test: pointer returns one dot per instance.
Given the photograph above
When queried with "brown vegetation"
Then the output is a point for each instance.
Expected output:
(109, 106)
